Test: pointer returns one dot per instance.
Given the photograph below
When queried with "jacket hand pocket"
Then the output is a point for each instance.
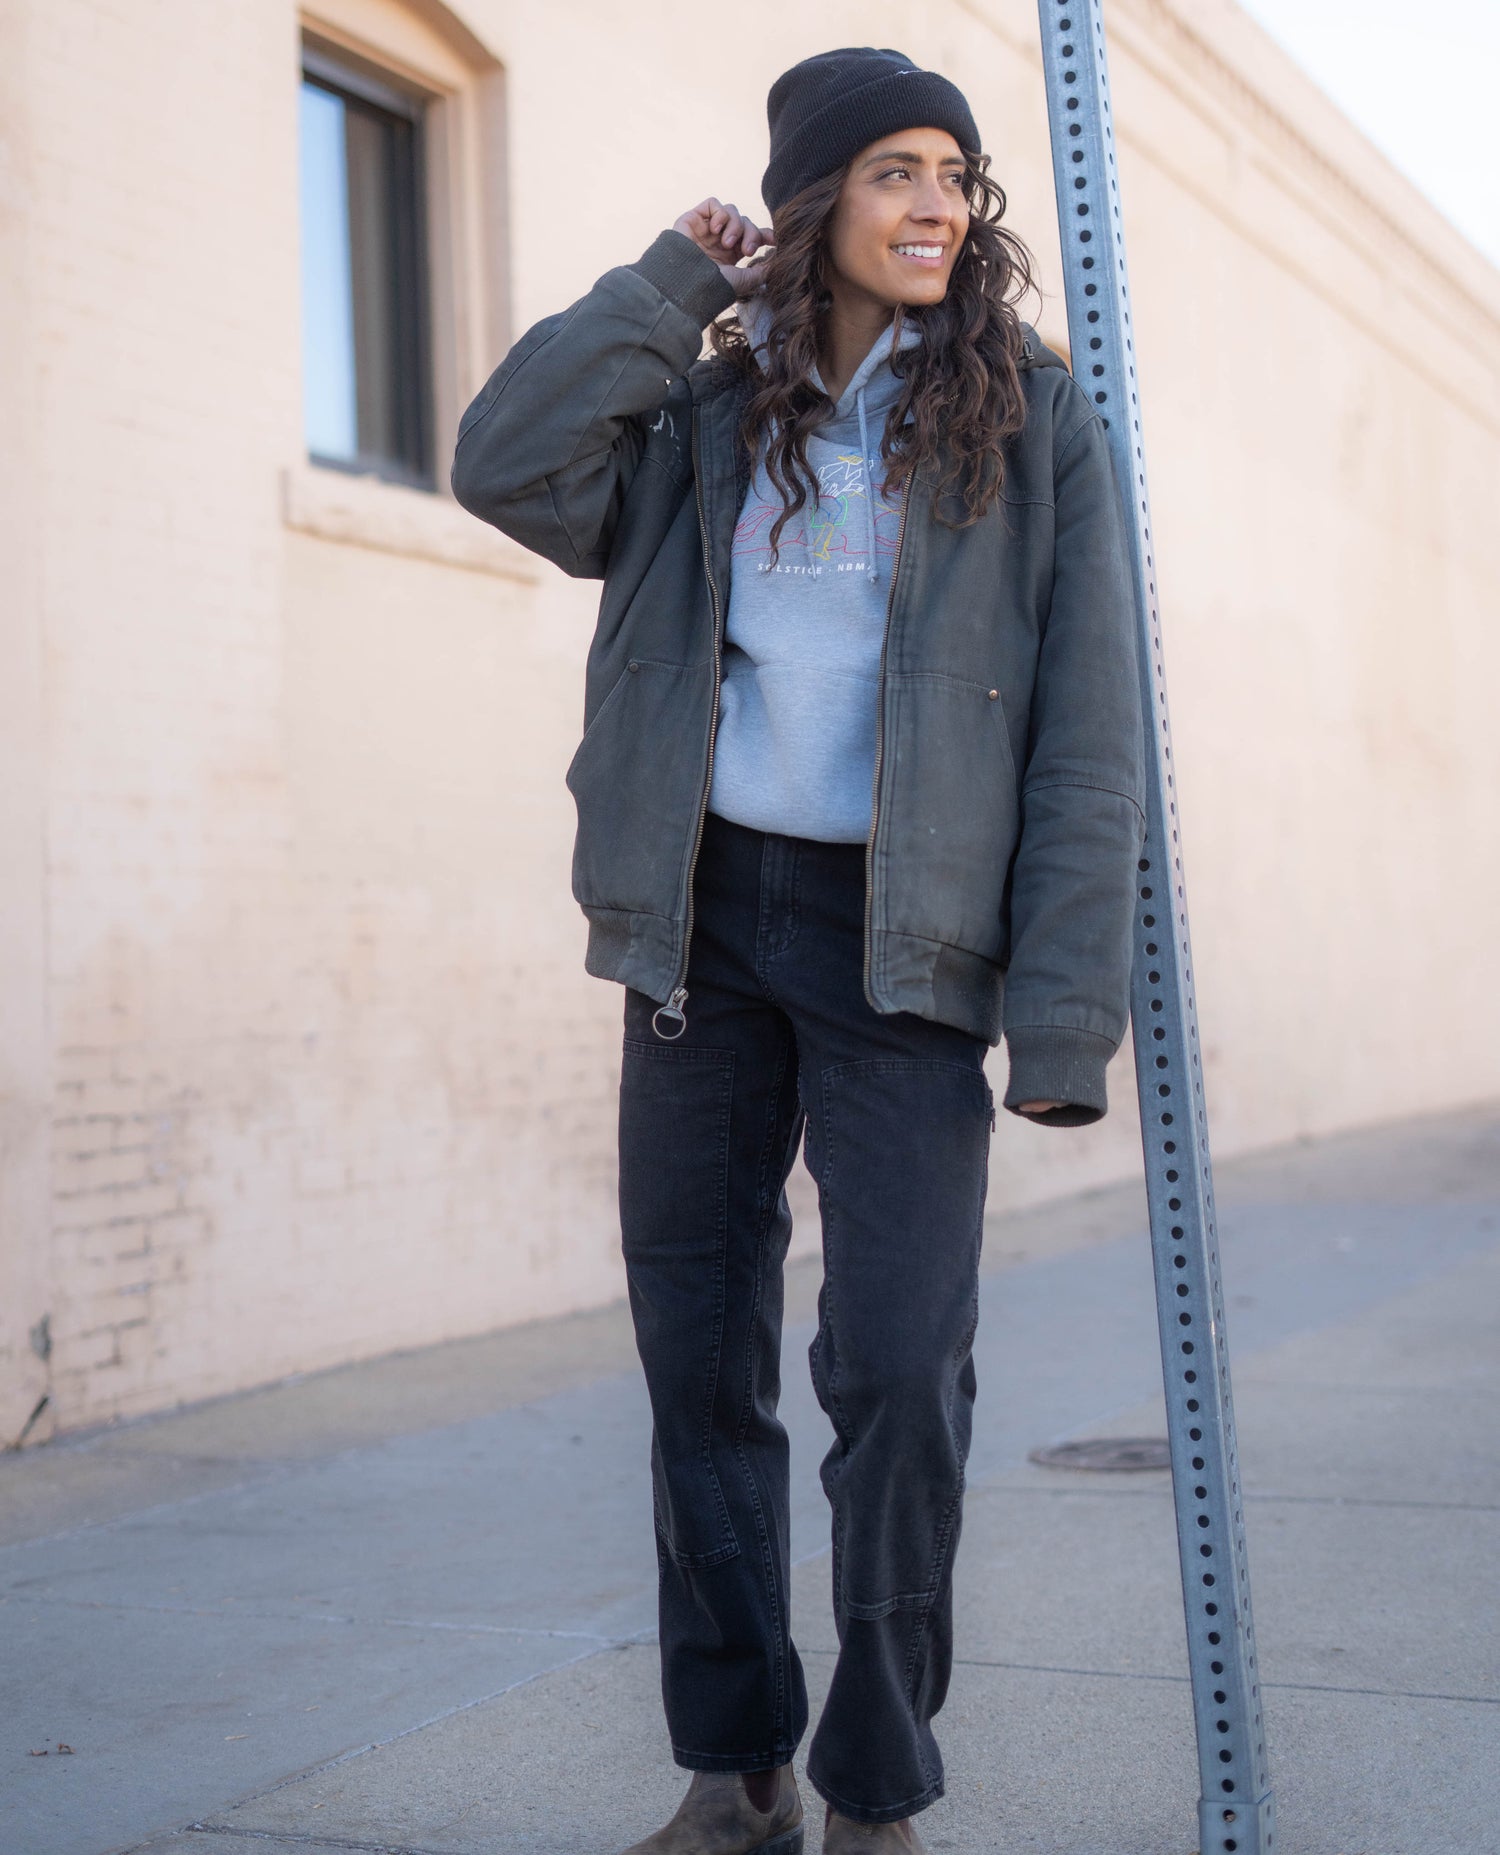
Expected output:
(955, 818)
(636, 780)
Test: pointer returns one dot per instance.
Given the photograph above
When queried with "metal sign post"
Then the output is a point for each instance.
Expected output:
(1235, 1809)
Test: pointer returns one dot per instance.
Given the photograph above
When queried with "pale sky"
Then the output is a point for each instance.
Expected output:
(1419, 82)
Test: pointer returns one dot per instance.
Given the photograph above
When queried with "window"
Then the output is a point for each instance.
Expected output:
(366, 322)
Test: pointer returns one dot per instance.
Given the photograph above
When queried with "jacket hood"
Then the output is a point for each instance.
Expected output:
(755, 316)
(872, 390)
(873, 381)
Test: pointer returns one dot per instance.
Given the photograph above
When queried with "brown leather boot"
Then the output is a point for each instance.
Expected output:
(843, 1836)
(717, 1818)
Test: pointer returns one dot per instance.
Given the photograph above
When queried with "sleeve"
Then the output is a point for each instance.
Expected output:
(547, 449)
(1067, 993)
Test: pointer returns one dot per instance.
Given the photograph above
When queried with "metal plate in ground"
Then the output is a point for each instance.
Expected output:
(1105, 1452)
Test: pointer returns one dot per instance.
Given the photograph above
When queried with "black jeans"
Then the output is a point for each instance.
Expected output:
(898, 1117)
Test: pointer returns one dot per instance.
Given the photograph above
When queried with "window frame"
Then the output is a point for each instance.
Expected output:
(424, 48)
(345, 74)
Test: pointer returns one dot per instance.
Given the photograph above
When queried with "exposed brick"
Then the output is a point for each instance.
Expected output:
(78, 1173)
(121, 1204)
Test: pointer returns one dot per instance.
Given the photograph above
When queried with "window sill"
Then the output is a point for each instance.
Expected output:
(363, 511)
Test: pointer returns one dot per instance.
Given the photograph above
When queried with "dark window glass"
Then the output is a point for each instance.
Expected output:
(365, 353)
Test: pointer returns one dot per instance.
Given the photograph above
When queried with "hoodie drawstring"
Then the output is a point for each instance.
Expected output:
(864, 464)
(755, 317)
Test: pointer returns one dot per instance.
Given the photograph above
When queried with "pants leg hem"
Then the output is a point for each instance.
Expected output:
(732, 1761)
(883, 1813)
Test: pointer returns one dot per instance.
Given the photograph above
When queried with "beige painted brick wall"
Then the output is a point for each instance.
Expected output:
(327, 1076)
(25, 1050)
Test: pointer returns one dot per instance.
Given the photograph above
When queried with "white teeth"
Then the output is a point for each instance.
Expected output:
(920, 251)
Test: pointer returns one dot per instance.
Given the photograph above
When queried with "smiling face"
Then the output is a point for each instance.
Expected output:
(900, 221)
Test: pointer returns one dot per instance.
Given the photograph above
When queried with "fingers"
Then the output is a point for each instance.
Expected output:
(750, 277)
(723, 231)
(743, 234)
(724, 227)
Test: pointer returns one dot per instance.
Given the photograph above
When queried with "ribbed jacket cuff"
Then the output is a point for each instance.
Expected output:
(1054, 1063)
(686, 276)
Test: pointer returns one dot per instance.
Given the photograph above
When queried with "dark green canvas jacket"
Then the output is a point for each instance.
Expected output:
(1009, 782)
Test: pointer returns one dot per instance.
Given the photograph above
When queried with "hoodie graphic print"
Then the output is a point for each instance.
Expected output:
(834, 537)
(795, 747)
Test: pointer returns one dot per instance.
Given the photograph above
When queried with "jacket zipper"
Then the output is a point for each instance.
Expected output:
(890, 603)
(672, 1011)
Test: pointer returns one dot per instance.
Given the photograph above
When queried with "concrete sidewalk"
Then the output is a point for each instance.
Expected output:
(409, 1606)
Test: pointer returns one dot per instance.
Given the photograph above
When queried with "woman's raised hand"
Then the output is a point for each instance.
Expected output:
(726, 235)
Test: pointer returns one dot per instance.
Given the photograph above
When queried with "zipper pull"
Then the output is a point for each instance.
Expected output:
(673, 1013)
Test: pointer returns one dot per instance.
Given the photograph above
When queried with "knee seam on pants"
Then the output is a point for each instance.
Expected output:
(940, 1556)
(902, 1600)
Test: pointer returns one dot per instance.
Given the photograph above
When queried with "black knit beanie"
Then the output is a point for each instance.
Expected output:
(827, 108)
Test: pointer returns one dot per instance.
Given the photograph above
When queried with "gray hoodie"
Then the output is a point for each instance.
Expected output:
(795, 747)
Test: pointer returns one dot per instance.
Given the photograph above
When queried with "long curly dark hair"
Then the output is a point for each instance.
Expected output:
(961, 383)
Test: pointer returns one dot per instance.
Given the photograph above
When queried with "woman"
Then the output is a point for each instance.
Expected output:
(859, 792)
